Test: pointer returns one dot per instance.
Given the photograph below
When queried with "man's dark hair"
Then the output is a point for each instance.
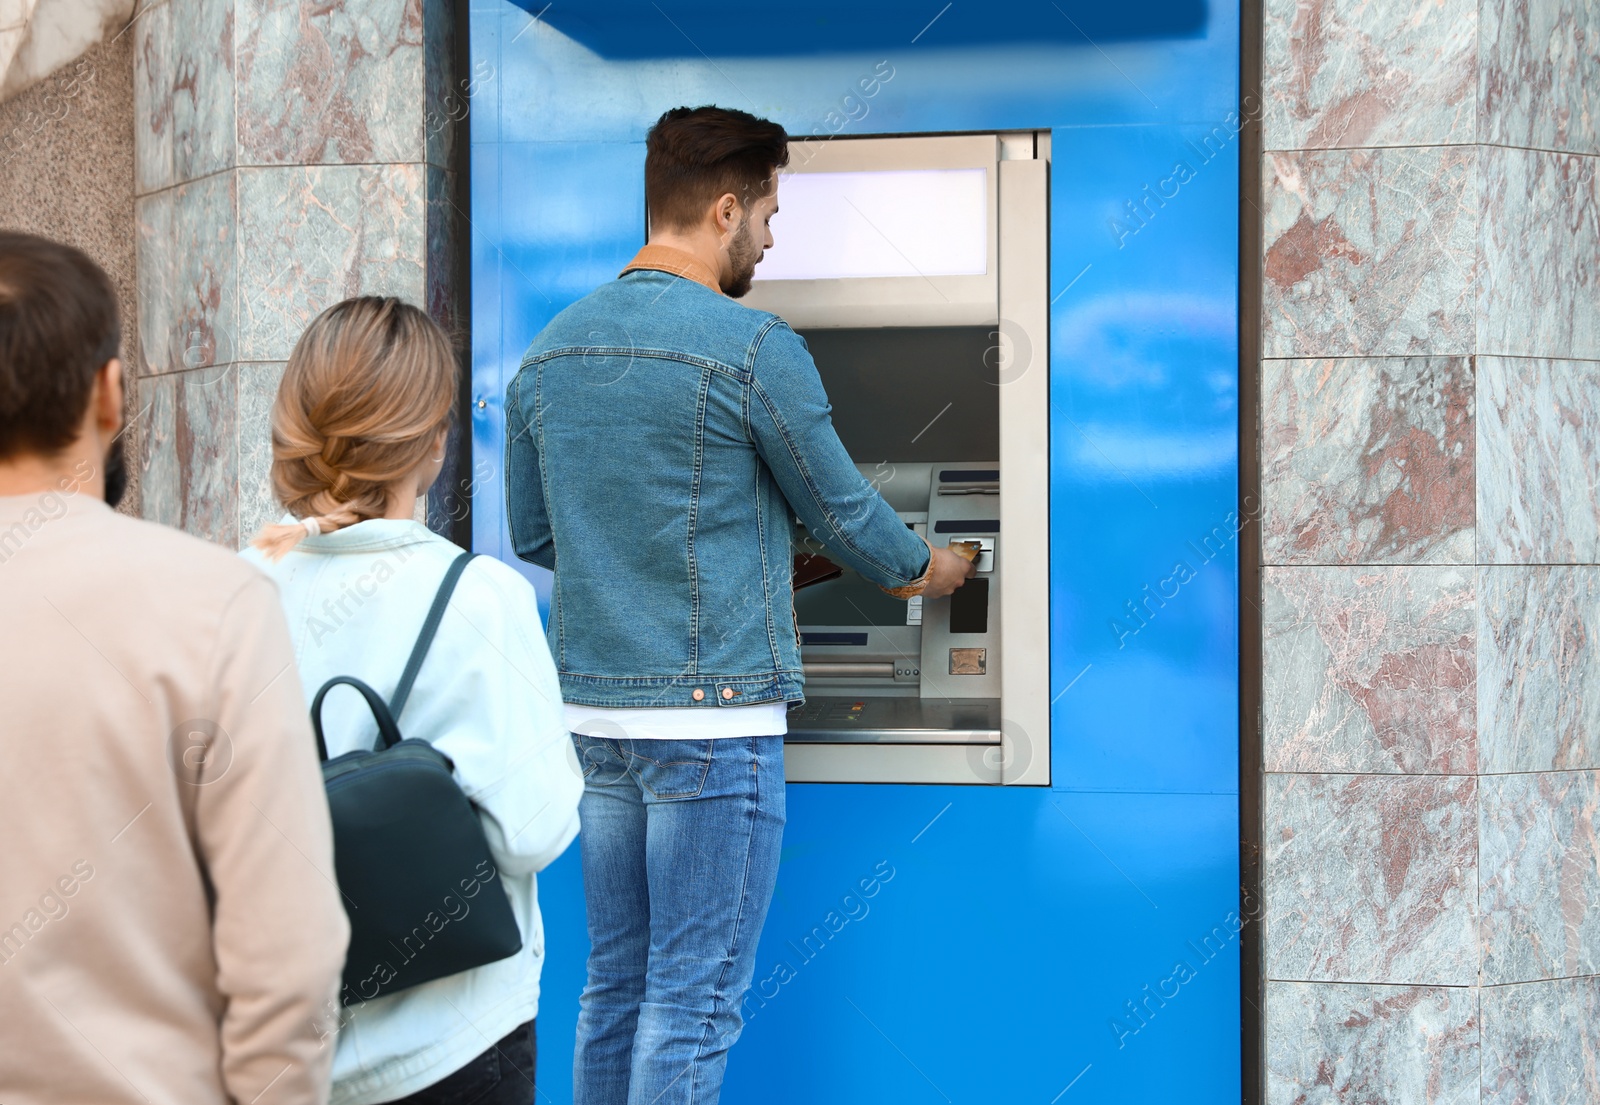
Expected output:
(695, 154)
(58, 327)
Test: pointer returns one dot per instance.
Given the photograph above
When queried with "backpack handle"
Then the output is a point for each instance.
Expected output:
(388, 731)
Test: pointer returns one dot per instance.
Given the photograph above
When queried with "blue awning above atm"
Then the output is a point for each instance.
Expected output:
(623, 29)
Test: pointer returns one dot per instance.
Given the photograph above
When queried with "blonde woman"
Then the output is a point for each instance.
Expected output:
(358, 435)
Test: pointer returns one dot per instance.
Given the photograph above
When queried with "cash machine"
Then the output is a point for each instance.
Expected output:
(916, 268)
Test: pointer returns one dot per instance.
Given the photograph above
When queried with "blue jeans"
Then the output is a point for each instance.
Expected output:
(680, 855)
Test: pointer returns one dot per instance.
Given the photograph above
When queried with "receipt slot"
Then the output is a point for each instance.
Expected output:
(917, 270)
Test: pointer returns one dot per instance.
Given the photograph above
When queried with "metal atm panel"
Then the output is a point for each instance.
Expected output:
(951, 690)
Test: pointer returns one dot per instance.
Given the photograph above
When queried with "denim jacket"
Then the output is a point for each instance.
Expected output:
(661, 438)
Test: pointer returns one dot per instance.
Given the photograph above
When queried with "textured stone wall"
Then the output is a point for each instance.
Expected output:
(286, 159)
(1431, 475)
(66, 172)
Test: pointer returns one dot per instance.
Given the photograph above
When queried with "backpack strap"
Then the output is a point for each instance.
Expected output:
(419, 651)
(388, 732)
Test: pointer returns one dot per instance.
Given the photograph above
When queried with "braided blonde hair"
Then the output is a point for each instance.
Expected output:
(367, 389)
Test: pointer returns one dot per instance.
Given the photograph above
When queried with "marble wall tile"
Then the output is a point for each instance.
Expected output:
(1541, 1043)
(1538, 461)
(1348, 73)
(153, 47)
(258, 389)
(188, 452)
(1371, 1045)
(1370, 878)
(1540, 892)
(154, 258)
(203, 139)
(330, 84)
(1538, 667)
(1540, 254)
(310, 237)
(1368, 460)
(1539, 74)
(188, 274)
(1369, 670)
(1369, 252)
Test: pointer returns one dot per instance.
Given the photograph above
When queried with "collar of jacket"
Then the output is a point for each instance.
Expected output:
(372, 535)
(676, 261)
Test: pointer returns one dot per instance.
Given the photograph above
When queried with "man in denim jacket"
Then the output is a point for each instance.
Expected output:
(661, 440)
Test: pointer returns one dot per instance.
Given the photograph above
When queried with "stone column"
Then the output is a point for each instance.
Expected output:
(1431, 479)
(288, 156)
(66, 171)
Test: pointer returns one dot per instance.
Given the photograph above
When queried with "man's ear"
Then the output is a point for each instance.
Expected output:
(107, 397)
(727, 213)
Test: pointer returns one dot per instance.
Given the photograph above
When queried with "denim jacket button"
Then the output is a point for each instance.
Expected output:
(727, 693)
(698, 694)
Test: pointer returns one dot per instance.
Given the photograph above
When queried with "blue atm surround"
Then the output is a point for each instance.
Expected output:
(1066, 945)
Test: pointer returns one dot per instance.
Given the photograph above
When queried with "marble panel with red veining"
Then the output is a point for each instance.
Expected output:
(1541, 1043)
(188, 451)
(310, 237)
(183, 92)
(1538, 461)
(258, 390)
(152, 98)
(1539, 668)
(1368, 460)
(1351, 73)
(1540, 892)
(1369, 670)
(1539, 77)
(1369, 252)
(1540, 254)
(1370, 878)
(188, 274)
(1344, 1044)
(203, 138)
(330, 84)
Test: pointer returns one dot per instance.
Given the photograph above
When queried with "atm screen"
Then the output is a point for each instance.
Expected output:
(839, 595)
(912, 394)
(847, 599)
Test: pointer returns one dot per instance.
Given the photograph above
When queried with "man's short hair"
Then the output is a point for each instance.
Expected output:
(58, 327)
(695, 154)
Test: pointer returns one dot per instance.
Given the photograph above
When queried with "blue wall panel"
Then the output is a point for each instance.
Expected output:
(1029, 940)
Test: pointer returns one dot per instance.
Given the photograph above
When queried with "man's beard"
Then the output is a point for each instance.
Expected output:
(116, 473)
(743, 255)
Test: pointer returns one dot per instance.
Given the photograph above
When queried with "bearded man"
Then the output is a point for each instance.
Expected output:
(662, 439)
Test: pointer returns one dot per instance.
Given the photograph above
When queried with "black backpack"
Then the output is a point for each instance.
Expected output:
(421, 891)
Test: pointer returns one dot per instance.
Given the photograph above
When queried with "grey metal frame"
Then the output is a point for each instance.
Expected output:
(1013, 297)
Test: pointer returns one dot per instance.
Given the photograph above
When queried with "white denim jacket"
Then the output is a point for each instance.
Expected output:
(487, 696)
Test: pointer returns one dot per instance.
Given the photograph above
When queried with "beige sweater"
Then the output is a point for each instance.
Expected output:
(169, 926)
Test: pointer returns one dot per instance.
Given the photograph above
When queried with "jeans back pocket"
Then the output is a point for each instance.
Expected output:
(671, 768)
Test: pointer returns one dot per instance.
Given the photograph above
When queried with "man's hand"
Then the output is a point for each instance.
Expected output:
(947, 572)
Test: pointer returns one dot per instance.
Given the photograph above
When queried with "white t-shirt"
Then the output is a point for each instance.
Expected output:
(768, 719)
